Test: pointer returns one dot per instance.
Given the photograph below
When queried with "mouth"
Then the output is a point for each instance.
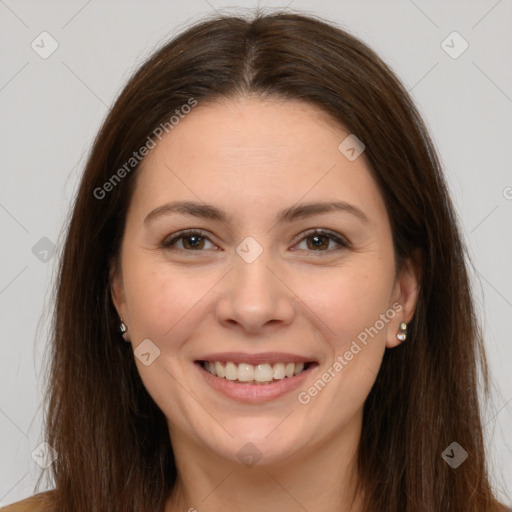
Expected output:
(249, 374)
(255, 378)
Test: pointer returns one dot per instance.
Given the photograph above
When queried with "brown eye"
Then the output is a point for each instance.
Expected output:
(321, 239)
(317, 240)
(191, 241)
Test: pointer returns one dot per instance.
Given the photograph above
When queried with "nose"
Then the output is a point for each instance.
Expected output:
(255, 297)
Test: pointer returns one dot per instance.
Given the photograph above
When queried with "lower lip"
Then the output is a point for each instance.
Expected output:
(255, 393)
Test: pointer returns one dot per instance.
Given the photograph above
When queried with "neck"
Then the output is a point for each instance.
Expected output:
(322, 478)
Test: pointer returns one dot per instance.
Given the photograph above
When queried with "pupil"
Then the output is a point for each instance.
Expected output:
(317, 240)
(194, 237)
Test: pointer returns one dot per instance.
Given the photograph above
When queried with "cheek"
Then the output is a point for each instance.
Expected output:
(159, 298)
(349, 301)
(350, 309)
(172, 307)
(165, 307)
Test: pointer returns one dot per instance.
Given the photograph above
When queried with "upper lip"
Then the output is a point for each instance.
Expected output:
(255, 359)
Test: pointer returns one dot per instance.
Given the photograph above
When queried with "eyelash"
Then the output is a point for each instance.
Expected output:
(167, 244)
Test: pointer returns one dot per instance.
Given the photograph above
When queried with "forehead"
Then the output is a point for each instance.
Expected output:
(256, 130)
(251, 153)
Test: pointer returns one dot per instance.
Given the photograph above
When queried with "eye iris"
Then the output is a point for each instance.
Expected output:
(195, 244)
(317, 243)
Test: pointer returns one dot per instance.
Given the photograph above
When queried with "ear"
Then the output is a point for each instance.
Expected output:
(404, 298)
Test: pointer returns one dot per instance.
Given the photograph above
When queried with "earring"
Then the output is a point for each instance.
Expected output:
(122, 327)
(402, 333)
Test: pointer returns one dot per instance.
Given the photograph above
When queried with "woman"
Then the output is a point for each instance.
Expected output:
(263, 301)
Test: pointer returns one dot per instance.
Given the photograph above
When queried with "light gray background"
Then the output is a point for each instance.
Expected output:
(52, 108)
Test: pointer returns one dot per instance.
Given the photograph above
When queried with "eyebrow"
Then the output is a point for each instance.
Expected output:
(296, 212)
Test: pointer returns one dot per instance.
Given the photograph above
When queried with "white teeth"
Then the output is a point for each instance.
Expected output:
(278, 371)
(263, 373)
(231, 371)
(219, 369)
(289, 369)
(211, 368)
(244, 372)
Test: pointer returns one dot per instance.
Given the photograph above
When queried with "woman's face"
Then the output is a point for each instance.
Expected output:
(256, 291)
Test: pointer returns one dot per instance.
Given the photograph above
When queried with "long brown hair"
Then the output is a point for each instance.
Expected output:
(113, 442)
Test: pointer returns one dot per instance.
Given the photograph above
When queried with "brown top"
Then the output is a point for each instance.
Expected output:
(36, 503)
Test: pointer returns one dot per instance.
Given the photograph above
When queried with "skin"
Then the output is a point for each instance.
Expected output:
(252, 157)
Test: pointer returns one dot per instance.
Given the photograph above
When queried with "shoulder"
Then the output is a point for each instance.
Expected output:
(38, 503)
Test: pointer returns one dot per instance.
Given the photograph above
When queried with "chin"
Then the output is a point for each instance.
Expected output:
(260, 441)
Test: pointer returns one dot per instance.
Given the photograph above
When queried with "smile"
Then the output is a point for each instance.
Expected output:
(255, 378)
(253, 374)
